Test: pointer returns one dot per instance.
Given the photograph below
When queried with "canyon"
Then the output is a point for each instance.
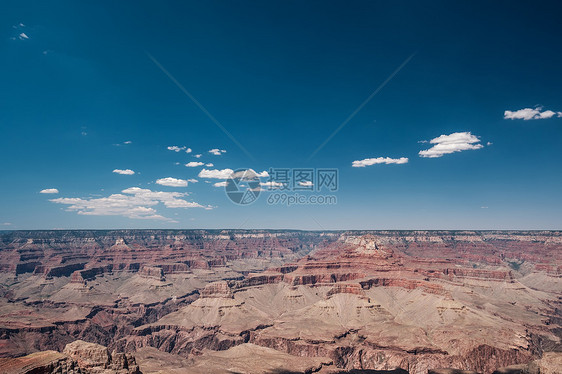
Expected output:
(274, 301)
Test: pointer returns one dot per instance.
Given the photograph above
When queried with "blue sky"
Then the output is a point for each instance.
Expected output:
(480, 98)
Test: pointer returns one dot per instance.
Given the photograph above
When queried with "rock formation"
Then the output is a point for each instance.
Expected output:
(340, 301)
(79, 357)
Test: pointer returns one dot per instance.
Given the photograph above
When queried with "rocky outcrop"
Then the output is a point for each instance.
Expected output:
(152, 272)
(217, 289)
(79, 357)
(95, 358)
(44, 362)
(88, 355)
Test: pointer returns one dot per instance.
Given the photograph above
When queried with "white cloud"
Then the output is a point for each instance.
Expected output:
(220, 184)
(124, 172)
(192, 180)
(209, 165)
(455, 142)
(175, 148)
(216, 151)
(49, 190)
(172, 182)
(215, 174)
(188, 150)
(306, 184)
(227, 173)
(7, 224)
(197, 156)
(117, 144)
(378, 160)
(271, 184)
(23, 36)
(530, 113)
(134, 202)
(194, 164)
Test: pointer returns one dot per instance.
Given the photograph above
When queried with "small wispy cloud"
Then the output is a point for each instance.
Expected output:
(210, 165)
(378, 160)
(194, 164)
(23, 36)
(49, 190)
(220, 184)
(527, 114)
(216, 151)
(188, 150)
(175, 148)
(7, 224)
(455, 142)
(120, 144)
(306, 184)
(197, 156)
(192, 180)
(172, 182)
(124, 171)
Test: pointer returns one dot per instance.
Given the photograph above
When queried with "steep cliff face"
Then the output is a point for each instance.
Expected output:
(60, 253)
(347, 300)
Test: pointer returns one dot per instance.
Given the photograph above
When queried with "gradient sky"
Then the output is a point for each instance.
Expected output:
(81, 97)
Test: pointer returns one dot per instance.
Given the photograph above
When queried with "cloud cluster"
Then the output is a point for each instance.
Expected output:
(216, 151)
(527, 114)
(379, 160)
(175, 148)
(172, 182)
(49, 190)
(124, 171)
(455, 142)
(20, 34)
(134, 202)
